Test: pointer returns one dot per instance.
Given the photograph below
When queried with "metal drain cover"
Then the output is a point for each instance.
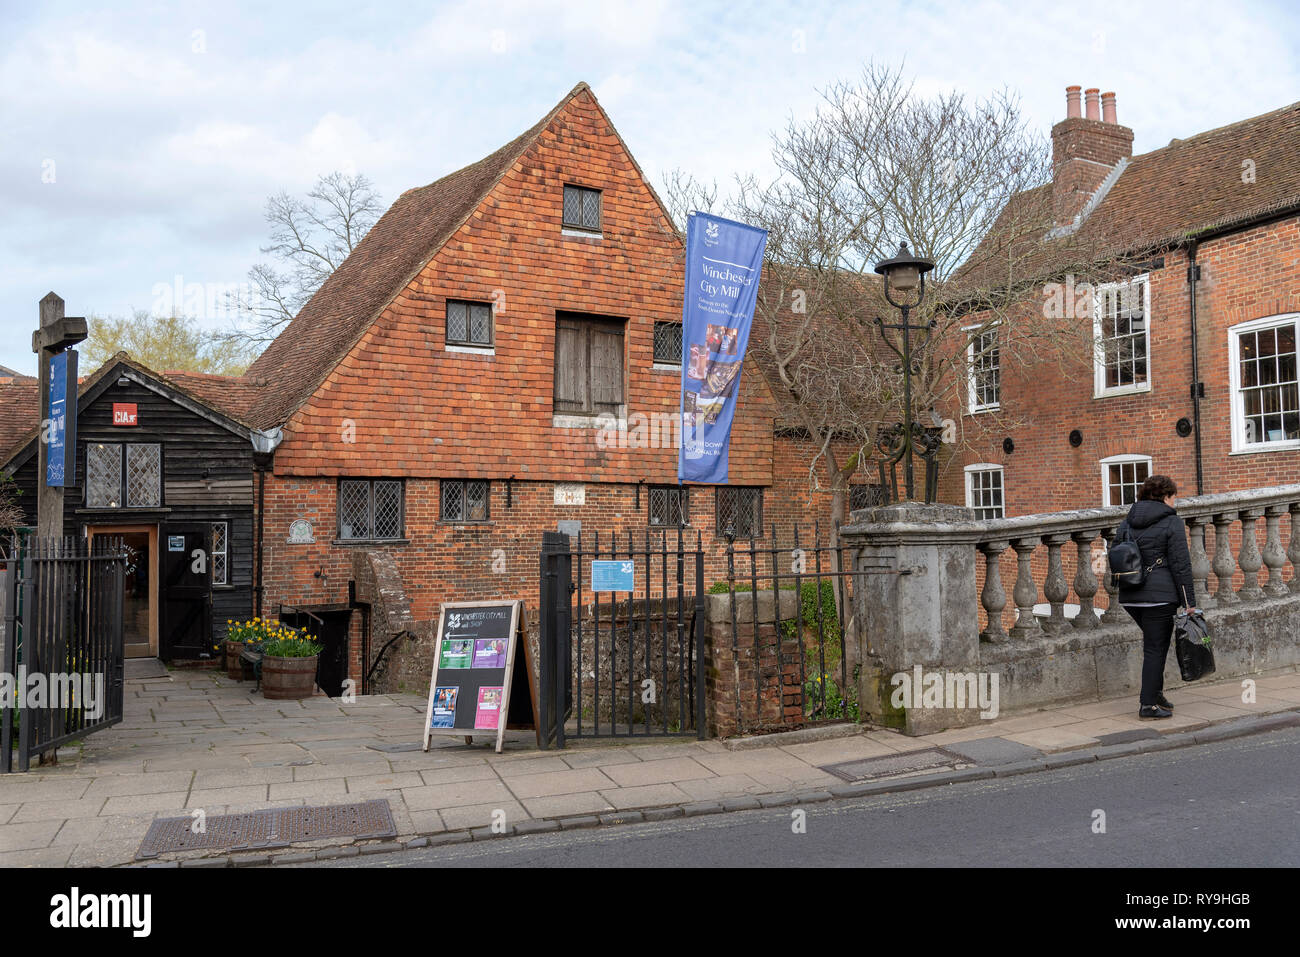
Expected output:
(275, 827)
(896, 765)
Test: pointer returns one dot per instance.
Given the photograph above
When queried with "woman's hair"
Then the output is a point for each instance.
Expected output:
(1157, 488)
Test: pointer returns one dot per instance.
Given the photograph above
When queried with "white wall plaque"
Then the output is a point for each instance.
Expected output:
(300, 532)
(570, 493)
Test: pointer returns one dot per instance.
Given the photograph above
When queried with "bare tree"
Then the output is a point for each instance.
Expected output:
(966, 183)
(309, 239)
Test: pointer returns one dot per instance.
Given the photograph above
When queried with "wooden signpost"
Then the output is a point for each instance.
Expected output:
(481, 668)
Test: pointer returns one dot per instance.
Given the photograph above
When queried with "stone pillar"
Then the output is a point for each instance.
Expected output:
(994, 596)
(1201, 567)
(1224, 566)
(924, 618)
(1085, 582)
(1055, 588)
(1249, 558)
(1293, 549)
(1026, 591)
(1274, 556)
(1115, 613)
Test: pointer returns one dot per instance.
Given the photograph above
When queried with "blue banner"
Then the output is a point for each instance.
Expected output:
(724, 260)
(57, 427)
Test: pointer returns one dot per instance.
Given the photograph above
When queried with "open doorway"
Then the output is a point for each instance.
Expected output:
(140, 594)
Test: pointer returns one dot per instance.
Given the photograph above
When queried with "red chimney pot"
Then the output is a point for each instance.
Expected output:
(1072, 108)
(1094, 111)
(1108, 108)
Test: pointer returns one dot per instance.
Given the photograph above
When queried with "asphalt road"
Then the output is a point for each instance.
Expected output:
(1230, 804)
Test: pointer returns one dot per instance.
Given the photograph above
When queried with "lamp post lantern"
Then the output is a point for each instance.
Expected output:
(904, 276)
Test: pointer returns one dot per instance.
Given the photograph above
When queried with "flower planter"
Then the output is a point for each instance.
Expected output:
(233, 669)
(288, 679)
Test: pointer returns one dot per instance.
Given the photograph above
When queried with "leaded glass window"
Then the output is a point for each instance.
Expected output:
(668, 342)
(582, 208)
(143, 476)
(220, 554)
(103, 475)
(371, 510)
(469, 323)
(668, 506)
(739, 511)
(464, 501)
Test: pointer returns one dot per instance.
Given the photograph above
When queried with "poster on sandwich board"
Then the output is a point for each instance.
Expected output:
(481, 660)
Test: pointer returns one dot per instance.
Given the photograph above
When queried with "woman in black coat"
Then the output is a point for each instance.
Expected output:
(1161, 537)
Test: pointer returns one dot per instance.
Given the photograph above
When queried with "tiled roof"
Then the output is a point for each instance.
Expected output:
(20, 398)
(233, 396)
(412, 230)
(1224, 177)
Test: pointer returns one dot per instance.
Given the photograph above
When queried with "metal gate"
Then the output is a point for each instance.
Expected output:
(622, 664)
(61, 616)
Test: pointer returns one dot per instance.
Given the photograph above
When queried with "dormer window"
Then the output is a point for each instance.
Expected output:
(581, 209)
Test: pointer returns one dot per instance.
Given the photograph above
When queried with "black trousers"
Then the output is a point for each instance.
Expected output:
(1157, 624)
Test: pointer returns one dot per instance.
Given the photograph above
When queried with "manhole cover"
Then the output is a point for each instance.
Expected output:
(275, 827)
(896, 765)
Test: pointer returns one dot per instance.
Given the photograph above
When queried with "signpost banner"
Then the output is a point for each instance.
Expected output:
(61, 429)
(724, 260)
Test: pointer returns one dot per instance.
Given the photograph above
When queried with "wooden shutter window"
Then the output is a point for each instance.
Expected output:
(588, 365)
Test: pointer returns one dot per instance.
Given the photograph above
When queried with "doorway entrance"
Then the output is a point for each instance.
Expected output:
(140, 594)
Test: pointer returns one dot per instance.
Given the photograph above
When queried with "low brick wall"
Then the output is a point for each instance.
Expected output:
(753, 677)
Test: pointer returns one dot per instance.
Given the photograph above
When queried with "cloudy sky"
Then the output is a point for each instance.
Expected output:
(139, 142)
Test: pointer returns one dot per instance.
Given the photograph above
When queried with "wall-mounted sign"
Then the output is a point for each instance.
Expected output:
(175, 543)
(570, 493)
(613, 576)
(124, 413)
(300, 532)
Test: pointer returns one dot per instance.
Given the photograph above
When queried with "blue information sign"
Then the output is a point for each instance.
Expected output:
(57, 428)
(613, 576)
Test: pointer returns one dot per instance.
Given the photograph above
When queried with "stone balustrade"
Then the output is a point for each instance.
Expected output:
(959, 582)
(1089, 533)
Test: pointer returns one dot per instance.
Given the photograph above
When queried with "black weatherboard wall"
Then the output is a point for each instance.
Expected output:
(207, 477)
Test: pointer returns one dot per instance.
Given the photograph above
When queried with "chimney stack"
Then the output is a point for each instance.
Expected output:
(1085, 150)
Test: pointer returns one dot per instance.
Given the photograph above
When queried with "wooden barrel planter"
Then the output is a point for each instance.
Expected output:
(288, 679)
(233, 669)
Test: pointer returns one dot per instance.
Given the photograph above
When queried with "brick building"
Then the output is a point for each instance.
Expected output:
(448, 393)
(1210, 294)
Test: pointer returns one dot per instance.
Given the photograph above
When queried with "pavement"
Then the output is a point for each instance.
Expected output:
(195, 739)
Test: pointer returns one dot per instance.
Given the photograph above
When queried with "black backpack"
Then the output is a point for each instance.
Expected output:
(1126, 568)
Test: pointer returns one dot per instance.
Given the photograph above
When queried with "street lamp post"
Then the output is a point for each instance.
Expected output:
(903, 274)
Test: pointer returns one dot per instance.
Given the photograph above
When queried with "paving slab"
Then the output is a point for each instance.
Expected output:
(999, 750)
(563, 805)
(550, 783)
(1051, 740)
(667, 771)
(651, 795)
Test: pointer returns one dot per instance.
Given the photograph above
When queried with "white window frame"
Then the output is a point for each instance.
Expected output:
(224, 552)
(1127, 459)
(1239, 444)
(973, 406)
(970, 485)
(1099, 388)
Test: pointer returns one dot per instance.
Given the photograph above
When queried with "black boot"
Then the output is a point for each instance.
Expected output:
(1164, 702)
(1154, 711)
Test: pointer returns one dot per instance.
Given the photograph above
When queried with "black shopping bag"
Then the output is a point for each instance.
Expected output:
(1192, 646)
